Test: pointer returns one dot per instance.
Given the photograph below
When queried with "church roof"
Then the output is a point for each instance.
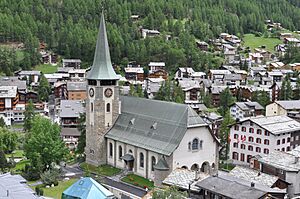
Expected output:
(102, 68)
(162, 164)
(153, 125)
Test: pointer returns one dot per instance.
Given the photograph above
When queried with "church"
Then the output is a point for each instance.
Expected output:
(150, 138)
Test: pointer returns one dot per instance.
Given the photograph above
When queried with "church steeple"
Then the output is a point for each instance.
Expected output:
(102, 68)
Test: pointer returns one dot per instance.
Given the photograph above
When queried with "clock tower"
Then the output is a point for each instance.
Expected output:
(102, 104)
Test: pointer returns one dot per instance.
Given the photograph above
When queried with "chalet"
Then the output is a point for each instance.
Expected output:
(26, 96)
(283, 36)
(76, 90)
(295, 66)
(60, 90)
(9, 97)
(70, 136)
(240, 110)
(55, 77)
(191, 89)
(135, 17)
(149, 33)
(160, 73)
(154, 66)
(152, 86)
(256, 58)
(48, 57)
(280, 49)
(77, 74)
(285, 165)
(276, 76)
(232, 79)
(202, 45)
(134, 74)
(282, 107)
(75, 63)
(254, 71)
(292, 41)
(70, 112)
(31, 76)
(218, 75)
(184, 72)
(14, 81)
(261, 135)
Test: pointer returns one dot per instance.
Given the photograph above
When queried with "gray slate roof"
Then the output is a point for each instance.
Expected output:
(102, 68)
(69, 132)
(249, 105)
(13, 81)
(16, 187)
(71, 108)
(153, 125)
(290, 105)
(76, 86)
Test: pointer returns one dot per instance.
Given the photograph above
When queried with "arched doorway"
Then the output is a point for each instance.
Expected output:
(195, 167)
(205, 167)
(184, 167)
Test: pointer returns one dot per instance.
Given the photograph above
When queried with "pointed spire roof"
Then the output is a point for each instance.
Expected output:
(102, 68)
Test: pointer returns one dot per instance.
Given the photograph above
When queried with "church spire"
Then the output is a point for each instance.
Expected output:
(102, 68)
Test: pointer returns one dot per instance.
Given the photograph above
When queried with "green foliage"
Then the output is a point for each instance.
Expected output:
(138, 181)
(297, 89)
(8, 140)
(2, 122)
(286, 91)
(262, 97)
(50, 177)
(43, 144)
(3, 161)
(171, 92)
(103, 170)
(224, 134)
(44, 89)
(252, 41)
(29, 115)
(136, 91)
(207, 99)
(82, 139)
(170, 192)
(292, 55)
(226, 99)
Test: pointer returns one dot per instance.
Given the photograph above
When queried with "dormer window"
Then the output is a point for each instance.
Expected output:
(154, 126)
(131, 122)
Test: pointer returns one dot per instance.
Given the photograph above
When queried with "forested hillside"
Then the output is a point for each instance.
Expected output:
(69, 27)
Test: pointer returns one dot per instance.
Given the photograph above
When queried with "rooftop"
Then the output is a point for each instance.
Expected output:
(13, 81)
(8, 91)
(289, 104)
(69, 132)
(76, 86)
(29, 72)
(249, 105)
(162, 64)
(71, 108)
(15, 187)
(71, 60)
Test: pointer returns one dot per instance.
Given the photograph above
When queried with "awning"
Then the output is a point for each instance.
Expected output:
(127, 157)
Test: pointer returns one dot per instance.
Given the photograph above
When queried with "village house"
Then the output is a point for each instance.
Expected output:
(282, 107)
(77, 74)
(134, 74)
(256, 58)
(69, 112)
(292, 41)
(261, 135)
(76, 90)
(295, 66)
(217, 76)
(285, 165)
(55, 77)
(152, 86)
(285, 35)
(214, 121)
(232, 79)
(149, 33)
(241, 110)
(184, 72)
(31, 76)
(151, 138)
(155, 66)
(60, 90)
(280, 49)
(74, 63)
(70, 136)
(202, 45)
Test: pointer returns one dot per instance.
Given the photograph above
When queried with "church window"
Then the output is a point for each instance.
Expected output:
(189, 145)
(108, 107)
(200, 144)
(195, 144)
(92, 107)
(153, 162)
(110, 150)
(120, 152)
(141, 160)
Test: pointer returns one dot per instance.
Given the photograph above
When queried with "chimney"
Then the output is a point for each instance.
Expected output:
(252, 184)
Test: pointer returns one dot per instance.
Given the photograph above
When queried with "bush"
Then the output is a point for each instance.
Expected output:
(39, 191)
(50, 177)
(31, 173)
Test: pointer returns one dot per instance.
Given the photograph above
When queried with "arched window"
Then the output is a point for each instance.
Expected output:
(195, 144)
(120, 152)
(283, 141)
(110, 149)
(251, 130)
(130, 151)
(235, 156)
(250, 139)
(244, 129)
(235, 136)
(108, 107)
(200, 144)
(250, 148)
(189, 145)
(258, 149)
(258, 140)
(92, 107)
(266, 142)
(153, 162)
(235, 145)
(266, 151)
(243, 146)
(278, 142)
(141, 160)
(258, 131)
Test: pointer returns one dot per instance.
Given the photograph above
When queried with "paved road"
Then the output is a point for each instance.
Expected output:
(73, 169)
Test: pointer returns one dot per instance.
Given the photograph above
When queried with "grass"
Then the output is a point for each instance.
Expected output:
(254, 42)
(226, 167)
(55, 192)
(46, 68)
(138, 181)
(104, 170)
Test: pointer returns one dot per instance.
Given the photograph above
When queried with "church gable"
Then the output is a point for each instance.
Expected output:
(153, 125)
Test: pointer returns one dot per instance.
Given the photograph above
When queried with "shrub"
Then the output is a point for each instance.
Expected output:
(31, 173)
(50, 177)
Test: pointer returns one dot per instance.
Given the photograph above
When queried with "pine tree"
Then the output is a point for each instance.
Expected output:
(226, 99)
(29, 115)
(44, 89)
(297, 89)
(3, 160)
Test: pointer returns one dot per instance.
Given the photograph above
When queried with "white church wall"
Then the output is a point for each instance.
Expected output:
(183, 156)
(110, 159)
(119, 162)
(150, 155)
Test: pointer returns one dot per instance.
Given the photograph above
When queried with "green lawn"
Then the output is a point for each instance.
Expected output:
(21, 165)
(138, 181)
(227, 167)
(55, 192)
(104, 170)
(46, 68)
(254, 42)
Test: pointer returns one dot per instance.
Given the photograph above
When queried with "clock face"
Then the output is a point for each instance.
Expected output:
(108, 92)
(91, 92)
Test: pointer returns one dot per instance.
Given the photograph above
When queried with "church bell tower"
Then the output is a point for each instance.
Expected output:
(102, 104)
